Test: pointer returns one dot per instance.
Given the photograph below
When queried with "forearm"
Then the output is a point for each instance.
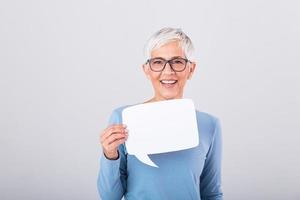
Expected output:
(210, 180)
(109, 183)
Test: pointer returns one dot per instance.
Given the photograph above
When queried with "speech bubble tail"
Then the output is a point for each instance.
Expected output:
(145, 159)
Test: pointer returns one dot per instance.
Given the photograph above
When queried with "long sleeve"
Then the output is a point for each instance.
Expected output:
(210, 179)
(112, 175)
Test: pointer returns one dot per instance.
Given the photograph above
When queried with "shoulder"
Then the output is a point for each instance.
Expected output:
(119, 109)
(116, 114)
(206, 118)
(208, 124)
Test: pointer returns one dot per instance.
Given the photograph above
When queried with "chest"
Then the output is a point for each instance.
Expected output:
(189, 161)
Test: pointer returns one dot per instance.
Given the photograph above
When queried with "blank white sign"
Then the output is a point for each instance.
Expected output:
(160, 127)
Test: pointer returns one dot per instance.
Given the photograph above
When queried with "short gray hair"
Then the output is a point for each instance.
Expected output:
(166, 35)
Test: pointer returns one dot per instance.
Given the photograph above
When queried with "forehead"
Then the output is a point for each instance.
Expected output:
(168, 50)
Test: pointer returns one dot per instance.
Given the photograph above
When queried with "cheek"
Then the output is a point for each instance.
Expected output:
(183, 80)
(154, 77)
(154, 80)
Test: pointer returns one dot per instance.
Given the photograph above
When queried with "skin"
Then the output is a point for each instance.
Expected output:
(111, 138)
(114, 135)
(168, 51)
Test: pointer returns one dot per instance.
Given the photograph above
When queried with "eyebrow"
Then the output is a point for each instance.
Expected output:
(166, 59)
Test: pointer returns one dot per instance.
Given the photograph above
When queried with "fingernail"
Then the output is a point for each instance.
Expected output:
(124, 125)
(126, 130)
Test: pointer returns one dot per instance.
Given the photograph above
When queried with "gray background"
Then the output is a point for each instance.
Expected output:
(65, 65)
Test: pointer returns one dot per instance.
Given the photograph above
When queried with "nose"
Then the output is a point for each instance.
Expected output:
(168, 69)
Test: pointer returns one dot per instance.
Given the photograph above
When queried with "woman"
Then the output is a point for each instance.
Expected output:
(194, 173)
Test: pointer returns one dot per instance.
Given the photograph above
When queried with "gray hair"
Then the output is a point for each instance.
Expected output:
(167, 35)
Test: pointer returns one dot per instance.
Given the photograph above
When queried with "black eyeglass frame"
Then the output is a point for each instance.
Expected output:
(168, 61)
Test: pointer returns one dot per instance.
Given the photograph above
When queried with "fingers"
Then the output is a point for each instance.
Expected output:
(112, 129)
(114, 145)
(112, 137)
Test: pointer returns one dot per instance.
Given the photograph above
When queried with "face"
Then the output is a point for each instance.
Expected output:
(162, 89)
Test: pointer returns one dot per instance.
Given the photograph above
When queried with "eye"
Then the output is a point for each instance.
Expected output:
(178, 61)
(157, 62)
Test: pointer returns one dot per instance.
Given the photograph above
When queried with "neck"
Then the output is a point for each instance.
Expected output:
(157, 98)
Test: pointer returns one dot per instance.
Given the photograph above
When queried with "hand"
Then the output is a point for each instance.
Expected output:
(111, 138)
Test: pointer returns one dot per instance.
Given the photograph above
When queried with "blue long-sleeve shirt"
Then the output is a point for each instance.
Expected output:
(191, 174)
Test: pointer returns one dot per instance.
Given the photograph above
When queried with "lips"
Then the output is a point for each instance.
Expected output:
(169, 81)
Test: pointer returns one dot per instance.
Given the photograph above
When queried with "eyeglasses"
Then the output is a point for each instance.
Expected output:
(177, 64)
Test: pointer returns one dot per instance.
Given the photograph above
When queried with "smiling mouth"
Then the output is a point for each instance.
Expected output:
(168, 81)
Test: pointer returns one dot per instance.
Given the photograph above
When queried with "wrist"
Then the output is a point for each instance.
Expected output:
(112, 156)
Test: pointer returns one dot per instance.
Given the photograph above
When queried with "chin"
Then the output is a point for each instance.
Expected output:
(169, 97)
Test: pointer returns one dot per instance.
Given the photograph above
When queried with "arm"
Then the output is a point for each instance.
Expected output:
(210, 179)
(112, 175)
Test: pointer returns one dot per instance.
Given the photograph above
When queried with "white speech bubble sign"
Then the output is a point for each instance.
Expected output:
(159, 127)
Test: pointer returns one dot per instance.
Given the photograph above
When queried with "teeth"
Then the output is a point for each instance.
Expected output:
(171, 81)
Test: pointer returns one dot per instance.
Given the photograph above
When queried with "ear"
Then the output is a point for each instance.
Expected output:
(192, 67)
(146, 70)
